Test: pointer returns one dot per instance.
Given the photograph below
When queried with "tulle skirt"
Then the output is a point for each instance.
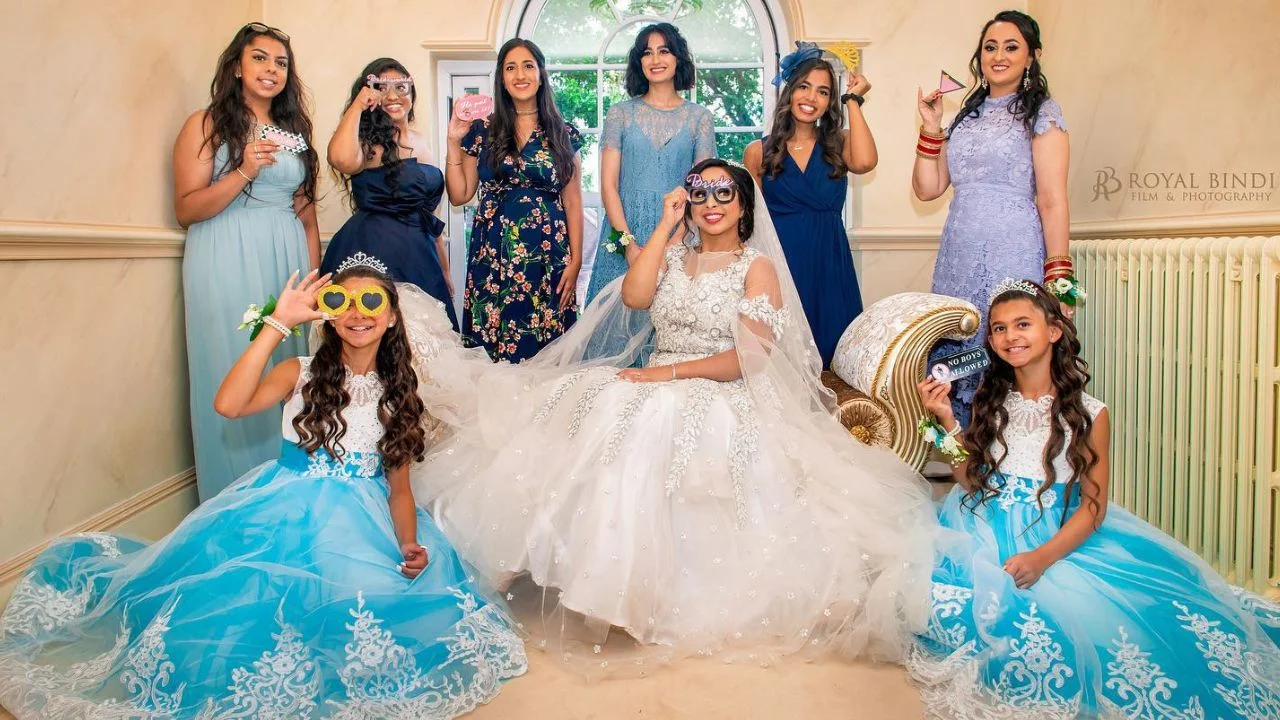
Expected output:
(1130, 625)
(678, 512)
(278, 598)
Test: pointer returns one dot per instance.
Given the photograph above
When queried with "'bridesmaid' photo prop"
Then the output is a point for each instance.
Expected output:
(473, 107)
(402, 86)
(960, 365)
(289, 142)
(947, 83)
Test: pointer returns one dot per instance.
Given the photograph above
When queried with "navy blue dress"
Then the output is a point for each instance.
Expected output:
(806, 208)
(395, 224)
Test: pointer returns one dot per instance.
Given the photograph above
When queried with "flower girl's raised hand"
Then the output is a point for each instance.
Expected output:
(298, 302)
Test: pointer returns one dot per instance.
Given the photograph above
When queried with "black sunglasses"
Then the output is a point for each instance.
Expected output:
(277, 33)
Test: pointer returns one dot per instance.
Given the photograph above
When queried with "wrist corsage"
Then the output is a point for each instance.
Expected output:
(1068, 290)
(618, 241)
(255, 317)
(934, 434)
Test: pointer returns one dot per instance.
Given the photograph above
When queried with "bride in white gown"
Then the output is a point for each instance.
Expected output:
(706, 503)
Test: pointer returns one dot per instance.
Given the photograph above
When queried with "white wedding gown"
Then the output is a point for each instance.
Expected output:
(700, 516)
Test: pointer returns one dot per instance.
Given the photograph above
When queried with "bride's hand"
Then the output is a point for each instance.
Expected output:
(648, 374)
(673, 204)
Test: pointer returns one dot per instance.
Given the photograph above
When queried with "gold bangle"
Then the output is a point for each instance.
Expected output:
(246, 177)
(1052, 258)
(926, 156)
(932, 136)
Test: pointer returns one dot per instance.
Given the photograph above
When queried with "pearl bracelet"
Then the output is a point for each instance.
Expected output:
(279, 326)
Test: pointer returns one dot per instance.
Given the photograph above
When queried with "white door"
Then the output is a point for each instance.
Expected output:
(458, 78)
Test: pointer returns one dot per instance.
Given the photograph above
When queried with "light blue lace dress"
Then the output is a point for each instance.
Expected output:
(1130, 625)
(658, 147)
(993, 226)
(278, 598)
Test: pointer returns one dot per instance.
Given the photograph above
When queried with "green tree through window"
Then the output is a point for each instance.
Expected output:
(586, 44)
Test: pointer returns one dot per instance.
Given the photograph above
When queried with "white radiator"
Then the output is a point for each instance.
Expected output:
(1180, 335)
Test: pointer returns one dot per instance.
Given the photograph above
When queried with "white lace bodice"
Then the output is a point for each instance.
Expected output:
(364, 430)
(694, 317)
(1027, 434)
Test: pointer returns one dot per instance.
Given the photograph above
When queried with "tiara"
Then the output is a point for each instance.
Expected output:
(1010, 285)
(362, 260)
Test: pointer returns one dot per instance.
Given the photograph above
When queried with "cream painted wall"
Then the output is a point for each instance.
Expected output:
(93, 374)
(95, 94)
(1166, 86)
(93, 367)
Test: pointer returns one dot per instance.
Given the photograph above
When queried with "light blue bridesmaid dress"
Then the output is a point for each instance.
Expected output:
(657, 149)
(242, 255)
(278, 598)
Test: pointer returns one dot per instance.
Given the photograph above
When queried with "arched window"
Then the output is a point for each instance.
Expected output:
(586, 42)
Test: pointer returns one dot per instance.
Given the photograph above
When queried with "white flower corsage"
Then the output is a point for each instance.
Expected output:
(1068, 290)
(255, 317)
(933, 433)
(618, 241)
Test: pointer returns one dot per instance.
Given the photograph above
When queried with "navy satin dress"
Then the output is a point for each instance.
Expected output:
(395, 223)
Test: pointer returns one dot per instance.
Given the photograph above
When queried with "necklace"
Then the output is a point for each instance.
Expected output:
(527, 112)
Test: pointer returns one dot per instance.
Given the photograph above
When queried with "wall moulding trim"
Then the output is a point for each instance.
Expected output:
(889, 239)
(45, 240)
(104, 520)
(1206, 225)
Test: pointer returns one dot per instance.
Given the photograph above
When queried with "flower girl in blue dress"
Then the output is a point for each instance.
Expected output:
(312, 587)
(1059, 606)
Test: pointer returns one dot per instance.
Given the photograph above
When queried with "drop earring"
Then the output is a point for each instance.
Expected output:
(1026, 78)
(984, 82)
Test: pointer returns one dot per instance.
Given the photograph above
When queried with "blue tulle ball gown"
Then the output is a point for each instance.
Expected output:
(278, 598)
(1130, 625)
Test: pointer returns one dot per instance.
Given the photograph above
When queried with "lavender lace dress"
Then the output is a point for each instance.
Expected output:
(993, 227)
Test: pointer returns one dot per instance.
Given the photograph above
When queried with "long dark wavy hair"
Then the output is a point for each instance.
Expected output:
(984, 439)
(377, 129)
(502, 124)
(746, 186)
(636, 83)
(1026, 105)
(404, 417)
(230, 119)
(784, 124)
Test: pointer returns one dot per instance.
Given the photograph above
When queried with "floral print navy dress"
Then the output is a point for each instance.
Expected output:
(519, 250)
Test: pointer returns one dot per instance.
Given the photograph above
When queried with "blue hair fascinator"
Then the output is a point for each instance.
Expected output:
(787, 66)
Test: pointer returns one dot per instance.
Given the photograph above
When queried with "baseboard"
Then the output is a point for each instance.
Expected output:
(107, 519)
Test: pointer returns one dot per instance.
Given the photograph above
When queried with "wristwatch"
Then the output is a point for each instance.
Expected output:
(851, 96)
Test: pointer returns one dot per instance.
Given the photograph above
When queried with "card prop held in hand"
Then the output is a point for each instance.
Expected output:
(288, 141)
(473, 107)
(960, 365)
(947, 83)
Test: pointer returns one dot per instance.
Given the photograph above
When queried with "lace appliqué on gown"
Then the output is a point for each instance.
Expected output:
(364, 429)
(380, 678)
